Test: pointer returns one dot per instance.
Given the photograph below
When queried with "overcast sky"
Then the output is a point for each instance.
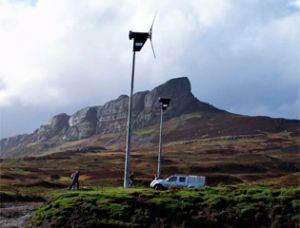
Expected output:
(62, 55)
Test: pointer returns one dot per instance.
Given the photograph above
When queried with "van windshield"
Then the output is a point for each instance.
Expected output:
(172, 179)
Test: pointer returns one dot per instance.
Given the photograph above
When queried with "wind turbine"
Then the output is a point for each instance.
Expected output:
(139, 39)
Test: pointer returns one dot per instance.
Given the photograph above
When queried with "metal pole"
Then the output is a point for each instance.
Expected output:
(160, 144)
(128, 139)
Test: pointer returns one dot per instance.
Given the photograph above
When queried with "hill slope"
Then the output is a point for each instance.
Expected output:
(187, 118)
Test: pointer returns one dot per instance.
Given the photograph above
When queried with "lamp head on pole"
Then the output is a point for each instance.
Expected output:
(164, 102)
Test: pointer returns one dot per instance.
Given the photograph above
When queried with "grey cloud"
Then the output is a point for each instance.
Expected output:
(243, 57)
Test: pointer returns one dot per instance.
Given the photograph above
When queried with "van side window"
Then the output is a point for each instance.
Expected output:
(173, 179)
(181, 179)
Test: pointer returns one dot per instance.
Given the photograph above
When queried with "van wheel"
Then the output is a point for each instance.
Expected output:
(158, 187)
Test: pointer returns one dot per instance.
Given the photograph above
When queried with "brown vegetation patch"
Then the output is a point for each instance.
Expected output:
(44, 184)
(228, 168)
(15, 176)
(105, 173)
(7, 176)
(277, 140)
(258, 176)
(289, 166)
(222, 151)
(67, 154)
(213, 180)
(292, 149)
(287, 180)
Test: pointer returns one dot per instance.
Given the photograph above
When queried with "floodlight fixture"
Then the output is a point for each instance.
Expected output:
(164, 102)
(164, 105)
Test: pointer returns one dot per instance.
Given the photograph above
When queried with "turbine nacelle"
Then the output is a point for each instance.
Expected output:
(140, 38)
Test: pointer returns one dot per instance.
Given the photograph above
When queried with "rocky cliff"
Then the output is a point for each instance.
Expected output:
(112, 116)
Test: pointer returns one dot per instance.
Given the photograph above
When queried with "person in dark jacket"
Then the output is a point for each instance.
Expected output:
(75, 180)
(131, 179)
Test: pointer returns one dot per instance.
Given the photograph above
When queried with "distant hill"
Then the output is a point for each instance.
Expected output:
(187, 118)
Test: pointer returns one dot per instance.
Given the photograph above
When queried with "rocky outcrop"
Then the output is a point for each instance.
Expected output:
(82, 124)
(182, 101)
(58, 124)
(112, 116)
(17, 142)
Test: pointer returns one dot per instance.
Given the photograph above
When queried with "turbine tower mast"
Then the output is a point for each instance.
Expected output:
(139, 39)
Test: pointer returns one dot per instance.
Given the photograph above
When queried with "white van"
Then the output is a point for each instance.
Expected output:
(178, 181)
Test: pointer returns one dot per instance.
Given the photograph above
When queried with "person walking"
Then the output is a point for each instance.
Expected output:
(75, 180)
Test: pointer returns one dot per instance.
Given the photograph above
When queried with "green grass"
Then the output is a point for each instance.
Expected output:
(237, 206)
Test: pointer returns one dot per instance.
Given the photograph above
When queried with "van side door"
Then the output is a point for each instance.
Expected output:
(182, 181)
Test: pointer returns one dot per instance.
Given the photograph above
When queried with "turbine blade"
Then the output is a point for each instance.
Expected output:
(152, 48)
(150, 30)
(150, 34)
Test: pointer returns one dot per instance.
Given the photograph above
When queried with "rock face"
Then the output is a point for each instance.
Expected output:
(58, 123)
(182, 101)
(15, 141)
(82, 124)
(112, 116)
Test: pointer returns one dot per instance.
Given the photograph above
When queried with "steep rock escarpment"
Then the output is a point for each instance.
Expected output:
(112, 116)
(82, 124)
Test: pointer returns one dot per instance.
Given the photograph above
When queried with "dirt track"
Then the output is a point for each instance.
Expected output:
(15, 215)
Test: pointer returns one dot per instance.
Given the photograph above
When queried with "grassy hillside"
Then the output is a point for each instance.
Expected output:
(221, 206)
(264, 165)
(265, 158)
